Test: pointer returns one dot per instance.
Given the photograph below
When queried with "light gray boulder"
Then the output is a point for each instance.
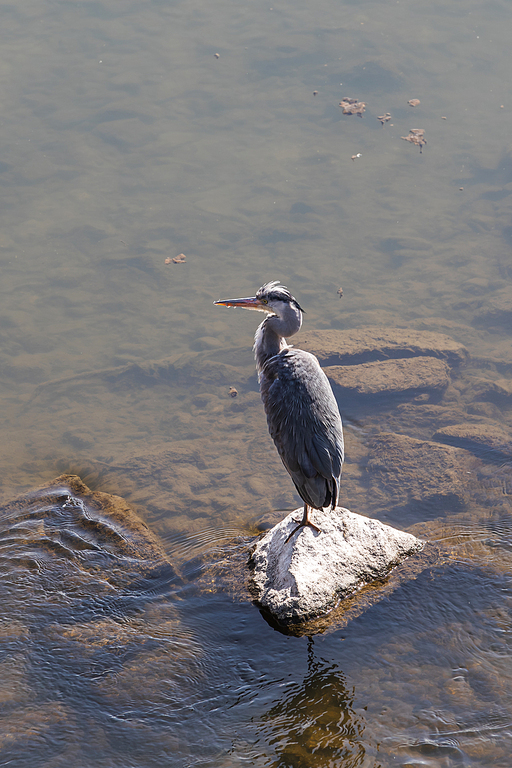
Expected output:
(306, 577)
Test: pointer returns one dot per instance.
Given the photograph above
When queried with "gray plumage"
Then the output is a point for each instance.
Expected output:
(302, 413)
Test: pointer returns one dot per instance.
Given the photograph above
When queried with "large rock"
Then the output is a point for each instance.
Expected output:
(95, 549)
(90, 631)
(365, 345)
(411, 478)
(483, 439)
(498, 391)
(497, 310)
(306, 577)
(411, 376)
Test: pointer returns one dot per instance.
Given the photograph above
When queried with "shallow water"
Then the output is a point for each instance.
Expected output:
(125, 141)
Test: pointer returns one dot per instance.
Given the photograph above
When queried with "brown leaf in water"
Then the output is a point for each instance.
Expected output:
(385, 118)
(416, 136)
(352, 106)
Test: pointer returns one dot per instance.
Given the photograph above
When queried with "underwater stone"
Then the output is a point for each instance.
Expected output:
(410, 376)
(485, 439)
(365, 345)
(497, 309)
(307, 576)
(418, 478)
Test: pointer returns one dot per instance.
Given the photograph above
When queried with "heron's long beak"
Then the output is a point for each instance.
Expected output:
(248, 303)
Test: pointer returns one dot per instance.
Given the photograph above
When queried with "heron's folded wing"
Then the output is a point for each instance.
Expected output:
(302, 415)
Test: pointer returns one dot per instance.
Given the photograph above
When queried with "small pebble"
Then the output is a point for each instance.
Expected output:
(315, 93)
(217, 55)
(233, 392)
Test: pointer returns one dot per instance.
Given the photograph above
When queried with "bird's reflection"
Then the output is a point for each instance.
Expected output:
(314, 723)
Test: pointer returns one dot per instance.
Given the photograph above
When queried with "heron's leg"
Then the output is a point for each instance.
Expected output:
(305, 521)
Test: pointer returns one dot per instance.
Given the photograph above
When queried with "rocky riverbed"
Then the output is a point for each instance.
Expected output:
(424, 444)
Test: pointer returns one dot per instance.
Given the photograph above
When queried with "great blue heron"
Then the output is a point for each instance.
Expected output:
(302, 414)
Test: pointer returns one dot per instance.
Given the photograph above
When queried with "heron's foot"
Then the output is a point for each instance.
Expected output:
(302, 524)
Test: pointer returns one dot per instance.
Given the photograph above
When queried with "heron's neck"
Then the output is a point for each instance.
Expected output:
(270, 337)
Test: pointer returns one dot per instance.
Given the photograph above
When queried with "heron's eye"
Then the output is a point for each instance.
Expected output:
(264, 301)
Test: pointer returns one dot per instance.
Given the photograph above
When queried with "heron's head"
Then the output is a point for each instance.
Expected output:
(271, 297)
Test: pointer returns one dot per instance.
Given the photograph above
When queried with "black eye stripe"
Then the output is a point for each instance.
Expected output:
(287, 298)
(275, 292)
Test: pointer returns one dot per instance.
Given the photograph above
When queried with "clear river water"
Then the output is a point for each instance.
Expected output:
(132, 132)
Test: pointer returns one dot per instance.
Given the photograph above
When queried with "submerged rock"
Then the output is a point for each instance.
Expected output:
(497, 310)
(482, 439)
(306, 577)
(88, 632)
(498, 391)
(365, 345)
(411, 376)
(408, 475)
(393, 361)
(95, 550)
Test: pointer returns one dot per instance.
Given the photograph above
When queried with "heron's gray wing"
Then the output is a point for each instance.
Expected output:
(305, 424)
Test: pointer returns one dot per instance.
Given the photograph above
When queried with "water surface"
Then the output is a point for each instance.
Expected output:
(124, 141)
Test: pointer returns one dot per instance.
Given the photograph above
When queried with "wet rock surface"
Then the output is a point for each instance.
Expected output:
(391, 377)
(306, 577)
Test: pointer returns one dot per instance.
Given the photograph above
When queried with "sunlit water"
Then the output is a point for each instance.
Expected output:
(125, 141)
